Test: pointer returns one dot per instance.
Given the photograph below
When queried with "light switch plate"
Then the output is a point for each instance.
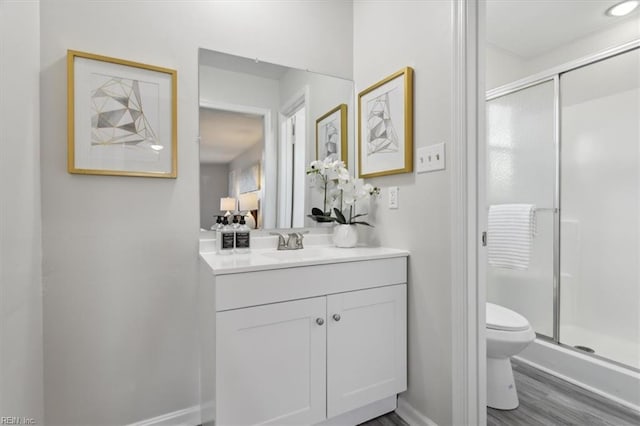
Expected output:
(393, 197)
(430, 158)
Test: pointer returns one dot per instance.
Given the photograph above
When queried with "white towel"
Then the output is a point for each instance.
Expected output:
(510, 234)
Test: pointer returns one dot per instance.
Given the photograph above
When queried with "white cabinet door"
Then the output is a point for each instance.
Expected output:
(271, 364)
(366, 347)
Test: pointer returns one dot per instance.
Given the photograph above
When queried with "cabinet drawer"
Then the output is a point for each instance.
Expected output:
(258, 288)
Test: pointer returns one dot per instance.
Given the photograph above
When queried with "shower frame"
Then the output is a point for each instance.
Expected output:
(553, 75)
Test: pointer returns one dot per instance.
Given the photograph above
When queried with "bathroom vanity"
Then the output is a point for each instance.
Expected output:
(311, 336)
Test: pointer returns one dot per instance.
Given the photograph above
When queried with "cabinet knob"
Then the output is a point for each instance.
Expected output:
(319, 321)
(336, 317)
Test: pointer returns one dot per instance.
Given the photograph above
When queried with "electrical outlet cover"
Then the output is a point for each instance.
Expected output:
(393, 197)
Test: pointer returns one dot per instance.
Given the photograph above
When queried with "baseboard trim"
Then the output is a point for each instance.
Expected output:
(411, 415)
(186, 417)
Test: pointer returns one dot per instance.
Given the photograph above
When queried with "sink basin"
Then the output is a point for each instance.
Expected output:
(306, 253)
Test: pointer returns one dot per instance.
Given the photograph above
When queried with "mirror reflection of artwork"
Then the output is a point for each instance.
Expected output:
(249, 180)
(385, 124)
(331, 134)
(382, 135)
(331, 138)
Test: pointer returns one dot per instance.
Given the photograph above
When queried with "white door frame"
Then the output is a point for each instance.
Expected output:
(467, 279)
(301, 98)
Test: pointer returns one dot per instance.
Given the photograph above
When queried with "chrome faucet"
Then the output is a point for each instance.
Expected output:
(295, 241)
(282, 245)
(292, 241)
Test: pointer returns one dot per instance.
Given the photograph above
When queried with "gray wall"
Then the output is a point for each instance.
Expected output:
(20, 245)
(214, 184)
(417, 34)
(120, 254)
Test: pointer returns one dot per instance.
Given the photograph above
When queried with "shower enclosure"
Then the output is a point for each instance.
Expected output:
(568, 142)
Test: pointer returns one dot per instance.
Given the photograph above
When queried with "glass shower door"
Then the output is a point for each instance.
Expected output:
(521, 153)
(600, 215)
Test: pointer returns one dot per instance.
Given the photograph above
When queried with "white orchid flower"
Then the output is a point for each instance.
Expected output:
(316, 166)
(340, 189)
(343, 174)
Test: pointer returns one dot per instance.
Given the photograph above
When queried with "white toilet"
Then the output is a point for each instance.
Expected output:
(508, 333)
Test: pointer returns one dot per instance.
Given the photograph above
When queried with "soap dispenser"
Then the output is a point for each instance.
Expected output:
(217, 225)
(243, 237)
(225, 238)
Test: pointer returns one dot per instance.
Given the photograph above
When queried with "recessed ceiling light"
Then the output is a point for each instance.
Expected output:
(624, 8)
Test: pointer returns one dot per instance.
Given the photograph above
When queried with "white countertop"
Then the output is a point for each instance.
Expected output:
(266, 259)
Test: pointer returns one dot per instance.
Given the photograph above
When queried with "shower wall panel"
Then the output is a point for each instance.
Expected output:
(600, 215)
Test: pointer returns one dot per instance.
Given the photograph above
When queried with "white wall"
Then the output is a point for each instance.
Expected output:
(627, 30)
(214, 184)
(20, 225)
(236, 88)
(503, 67)
(417, 34)
(120, 254)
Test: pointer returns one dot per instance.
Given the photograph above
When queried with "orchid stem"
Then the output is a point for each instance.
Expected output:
(324, 204)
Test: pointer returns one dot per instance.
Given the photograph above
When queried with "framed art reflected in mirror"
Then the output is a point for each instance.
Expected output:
(331, 134)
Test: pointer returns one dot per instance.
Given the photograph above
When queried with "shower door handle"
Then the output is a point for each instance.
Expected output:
(484, 238)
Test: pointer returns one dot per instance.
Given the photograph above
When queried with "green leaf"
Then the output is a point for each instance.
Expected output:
(359, 215)
(362, 223)
(339, 216)
(321, 218)
(317, 212)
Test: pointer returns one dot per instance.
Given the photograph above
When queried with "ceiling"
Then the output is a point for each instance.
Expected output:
(528, 28)
(226, 134)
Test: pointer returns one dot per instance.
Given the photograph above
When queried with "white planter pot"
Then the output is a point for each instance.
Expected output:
(345, 236)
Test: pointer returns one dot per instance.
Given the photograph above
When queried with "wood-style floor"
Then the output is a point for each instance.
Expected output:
(546, 400)
(549, 401)
(391, 419)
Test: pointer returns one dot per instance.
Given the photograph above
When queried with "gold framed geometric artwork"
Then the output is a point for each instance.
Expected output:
(385, 126)
(331, 134)
(121, 117)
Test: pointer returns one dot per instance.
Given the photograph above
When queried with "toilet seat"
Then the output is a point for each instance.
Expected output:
(503, 319)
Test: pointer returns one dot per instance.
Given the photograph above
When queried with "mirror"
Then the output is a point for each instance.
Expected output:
(258, 127)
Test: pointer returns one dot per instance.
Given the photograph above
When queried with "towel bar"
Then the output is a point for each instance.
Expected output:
(550, 209)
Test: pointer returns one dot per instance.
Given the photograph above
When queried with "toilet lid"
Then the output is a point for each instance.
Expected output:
(501, 318)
